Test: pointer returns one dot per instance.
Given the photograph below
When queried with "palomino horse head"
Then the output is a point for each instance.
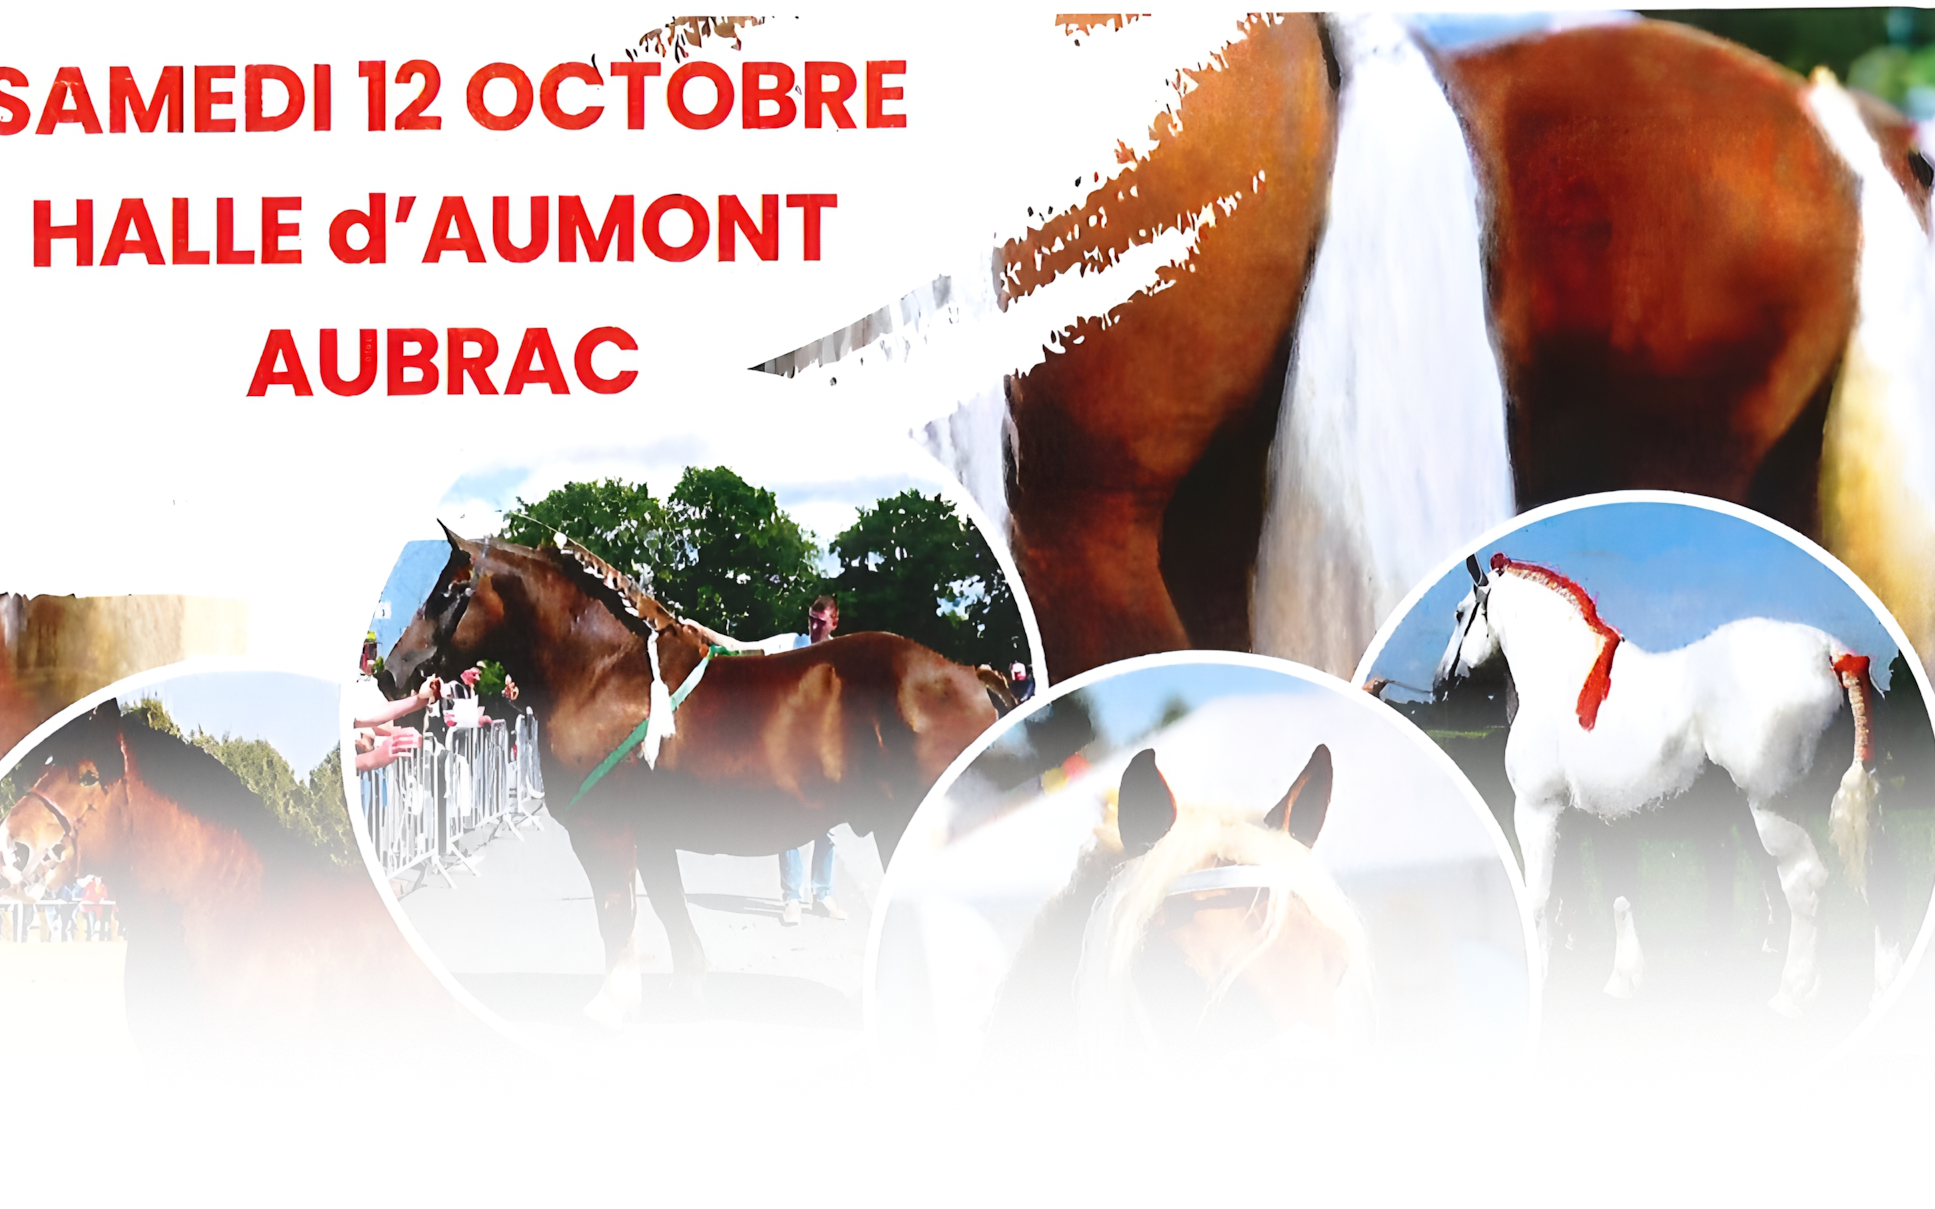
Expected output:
(1474, 644)
(1222, 929)
(483, 584)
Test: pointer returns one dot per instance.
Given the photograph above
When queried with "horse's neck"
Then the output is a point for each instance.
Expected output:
(1547, 644)
(585, 676)
(562, 651)
(161, 850)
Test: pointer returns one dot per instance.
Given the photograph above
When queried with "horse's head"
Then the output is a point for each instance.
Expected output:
(1474, 644)
(1222, 929)
(82, 782)
(36, 850)
(448, 631)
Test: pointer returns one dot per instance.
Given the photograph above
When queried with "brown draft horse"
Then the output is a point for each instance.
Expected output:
(1670, 267)
(769, 751)
(239, 934)
(36, 853)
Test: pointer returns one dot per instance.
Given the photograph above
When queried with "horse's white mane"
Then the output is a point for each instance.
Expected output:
(1203, 837)
(1392, 446)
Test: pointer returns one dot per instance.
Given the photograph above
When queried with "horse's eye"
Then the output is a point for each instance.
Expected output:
(90, 778)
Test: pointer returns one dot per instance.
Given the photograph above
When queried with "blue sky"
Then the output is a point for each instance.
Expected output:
(411, 579)
(297, 715)
(1126, 706)
(1664, 575)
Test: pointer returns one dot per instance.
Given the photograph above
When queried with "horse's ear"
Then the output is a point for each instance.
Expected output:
(1471, 565)
(1145, 809)
(1303, 808)
(457, 544)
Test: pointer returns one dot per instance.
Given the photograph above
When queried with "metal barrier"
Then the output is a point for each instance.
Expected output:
(438, 805)
(56, 921)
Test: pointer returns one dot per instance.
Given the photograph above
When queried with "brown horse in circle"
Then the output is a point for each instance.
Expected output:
(239, 934)
(768, 753)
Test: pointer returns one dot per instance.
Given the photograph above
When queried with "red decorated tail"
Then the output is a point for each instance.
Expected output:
(1848, 816)
(1853, 671)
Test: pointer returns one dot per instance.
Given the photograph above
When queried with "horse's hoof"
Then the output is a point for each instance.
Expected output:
(605, 1014)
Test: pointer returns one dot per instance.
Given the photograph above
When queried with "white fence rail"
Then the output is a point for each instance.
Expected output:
(438, 805)
(52, 920)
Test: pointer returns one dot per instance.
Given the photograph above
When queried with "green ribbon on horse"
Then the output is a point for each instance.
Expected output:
(638, 733)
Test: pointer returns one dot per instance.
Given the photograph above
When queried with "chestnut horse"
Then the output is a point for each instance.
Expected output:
(239, 933)
(36, 852)
(1203, 930)
(764, 754)
(1441, 289)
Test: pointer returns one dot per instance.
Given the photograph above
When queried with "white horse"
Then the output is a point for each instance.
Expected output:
(1607, 728)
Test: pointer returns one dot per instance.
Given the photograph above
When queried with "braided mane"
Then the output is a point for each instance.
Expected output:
(612, 587)
(1592, 694)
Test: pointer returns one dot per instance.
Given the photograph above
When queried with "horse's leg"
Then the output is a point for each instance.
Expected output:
(658, 867)
(1885, 907)
(1802, 874)
(609, 858)
(1616, 848)
(1537, 824)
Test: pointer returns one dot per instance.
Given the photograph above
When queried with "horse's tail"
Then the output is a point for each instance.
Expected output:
(1850, 815)
(997, 686)
(1367, 486)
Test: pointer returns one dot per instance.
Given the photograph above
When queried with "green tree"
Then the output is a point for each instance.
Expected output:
(911, 566)
(1805, 38)
(619, 522)
(733, 559)
(718, 550)
(313, 810)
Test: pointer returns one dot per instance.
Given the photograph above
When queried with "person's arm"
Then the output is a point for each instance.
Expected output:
(396, 709)
(386, 750)
(722, 640)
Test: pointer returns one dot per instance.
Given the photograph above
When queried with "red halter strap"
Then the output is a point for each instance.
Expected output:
(1592, 694)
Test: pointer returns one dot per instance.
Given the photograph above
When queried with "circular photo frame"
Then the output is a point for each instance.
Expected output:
(1710, 745)
(1199, 856)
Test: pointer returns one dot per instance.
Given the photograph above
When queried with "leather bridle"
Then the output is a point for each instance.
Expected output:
(70, 835)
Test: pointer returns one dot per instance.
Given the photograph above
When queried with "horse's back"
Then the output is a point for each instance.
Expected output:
(1672, 267)
(1765, 691)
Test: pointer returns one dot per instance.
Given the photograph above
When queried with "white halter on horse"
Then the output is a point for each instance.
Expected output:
(1605, 727)
(1186, 851)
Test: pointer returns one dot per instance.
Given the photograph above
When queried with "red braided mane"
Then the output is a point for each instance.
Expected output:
(1592, 694)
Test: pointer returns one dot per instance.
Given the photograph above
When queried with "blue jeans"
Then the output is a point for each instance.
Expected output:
(792, 870)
